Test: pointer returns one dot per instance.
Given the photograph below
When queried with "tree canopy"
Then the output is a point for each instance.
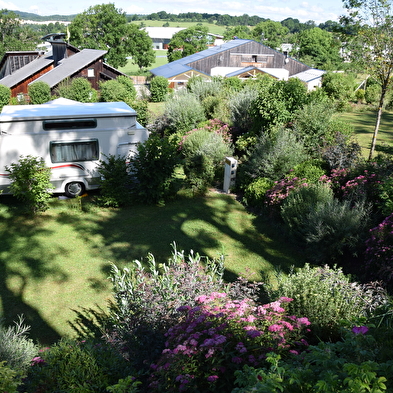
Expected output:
(370, 46)
(270, 33)
(13, 35)
(187, 42)
(106, 27)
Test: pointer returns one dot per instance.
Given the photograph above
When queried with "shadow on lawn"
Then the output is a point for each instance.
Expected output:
(208, 225)
(18, 234)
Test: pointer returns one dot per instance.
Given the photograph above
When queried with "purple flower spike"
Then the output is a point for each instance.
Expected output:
(360, 330)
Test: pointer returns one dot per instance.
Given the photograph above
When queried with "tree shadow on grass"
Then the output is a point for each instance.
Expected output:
(18, 239)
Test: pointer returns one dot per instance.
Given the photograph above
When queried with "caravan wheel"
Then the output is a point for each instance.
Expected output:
(74, 189)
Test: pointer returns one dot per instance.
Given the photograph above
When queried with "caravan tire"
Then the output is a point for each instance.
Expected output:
(74, 189)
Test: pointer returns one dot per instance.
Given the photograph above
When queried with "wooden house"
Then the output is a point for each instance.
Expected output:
(63, 61)
(238, 57)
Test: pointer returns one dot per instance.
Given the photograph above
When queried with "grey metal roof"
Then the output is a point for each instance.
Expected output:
(71, 65)
(309, 75)
(241, 70)
(27, 71)
(179, 66)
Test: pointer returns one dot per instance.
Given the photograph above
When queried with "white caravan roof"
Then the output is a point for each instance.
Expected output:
(65, 109)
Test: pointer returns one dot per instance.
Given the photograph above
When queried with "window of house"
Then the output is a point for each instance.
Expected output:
(90, 72)
(254, 58)
(74, 151)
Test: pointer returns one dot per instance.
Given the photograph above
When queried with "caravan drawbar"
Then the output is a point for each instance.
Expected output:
(71, 137)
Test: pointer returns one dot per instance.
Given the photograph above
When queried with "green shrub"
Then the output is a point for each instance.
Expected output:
(77, 89)
(141, 109)
(326, 227)
(240, 105)
(203, 88)
(297, 207)
(273, 157)
(350, 366)
(255, 192)
(310, 170)
(127, 82)
(5, 96)
(115, 181)
(30, 182)
(372, 94)
(153, 169)
(328, 297)
(184, 112)
(204, 153)
(158, 89)
(9, 380)
(312, 124)
(39, 93)
(70, 366)
(16, 349)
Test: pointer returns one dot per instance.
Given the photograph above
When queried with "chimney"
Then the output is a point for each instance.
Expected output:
(59, 46)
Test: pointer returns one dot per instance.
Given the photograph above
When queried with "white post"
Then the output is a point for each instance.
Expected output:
(229, 173)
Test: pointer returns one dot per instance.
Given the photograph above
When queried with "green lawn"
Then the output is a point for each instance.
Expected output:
(61, 259)
(364, 122)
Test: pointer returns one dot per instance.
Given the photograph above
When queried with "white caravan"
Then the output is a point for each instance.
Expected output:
(71, 137)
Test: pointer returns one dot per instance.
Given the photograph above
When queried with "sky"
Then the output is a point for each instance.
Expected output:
(277, 10)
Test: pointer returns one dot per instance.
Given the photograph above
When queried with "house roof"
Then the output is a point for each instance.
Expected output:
(279, 73)
(162, 32)
(309, 75)
(27, 71)
(71, 65)
(181, 65)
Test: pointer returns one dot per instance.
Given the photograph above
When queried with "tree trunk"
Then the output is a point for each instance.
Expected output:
(378, 121)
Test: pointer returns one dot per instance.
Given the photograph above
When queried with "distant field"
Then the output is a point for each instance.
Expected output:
(132, 69)
(214, 29)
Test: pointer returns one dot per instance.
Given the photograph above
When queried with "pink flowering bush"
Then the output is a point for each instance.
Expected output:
(282, 188)
(379, 253)
(220, 336)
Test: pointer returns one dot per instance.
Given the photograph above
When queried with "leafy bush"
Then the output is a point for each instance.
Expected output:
(342, 152)
(147, 299)
(78, 89)
(202, 88)
(39, 93)
(240, 105)
(5, 96)
(184, 112)
(372, 94)
(378, 256)
(328, 298)
(204, 151)
(15, 348)
(219, 336)
(280, 190)
(30, 182)
(326, 226)
(70, 366)
(339, 86)
(128, 83)
(312, 124)
(273, 157)
(311, 171)
(153, 170)
(141, 109)
(158, 89)
(9, 380)
(255, 192)
(350, 365)
(115, 181)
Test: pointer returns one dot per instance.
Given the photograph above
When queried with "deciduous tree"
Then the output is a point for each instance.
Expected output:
(371, 45)
(105, 27)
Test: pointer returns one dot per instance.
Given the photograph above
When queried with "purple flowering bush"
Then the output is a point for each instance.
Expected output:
(220, 336)
(379, 253)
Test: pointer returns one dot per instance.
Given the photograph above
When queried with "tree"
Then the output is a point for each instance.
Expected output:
(14, 36)
(105, 27)
(187, 42)
(5, 96)
(240, 31)
(142, 47)
(270, 33)
(371, 46)
(319, 48)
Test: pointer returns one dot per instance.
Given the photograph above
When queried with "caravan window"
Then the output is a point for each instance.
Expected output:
(74, 151)
(69, 124)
